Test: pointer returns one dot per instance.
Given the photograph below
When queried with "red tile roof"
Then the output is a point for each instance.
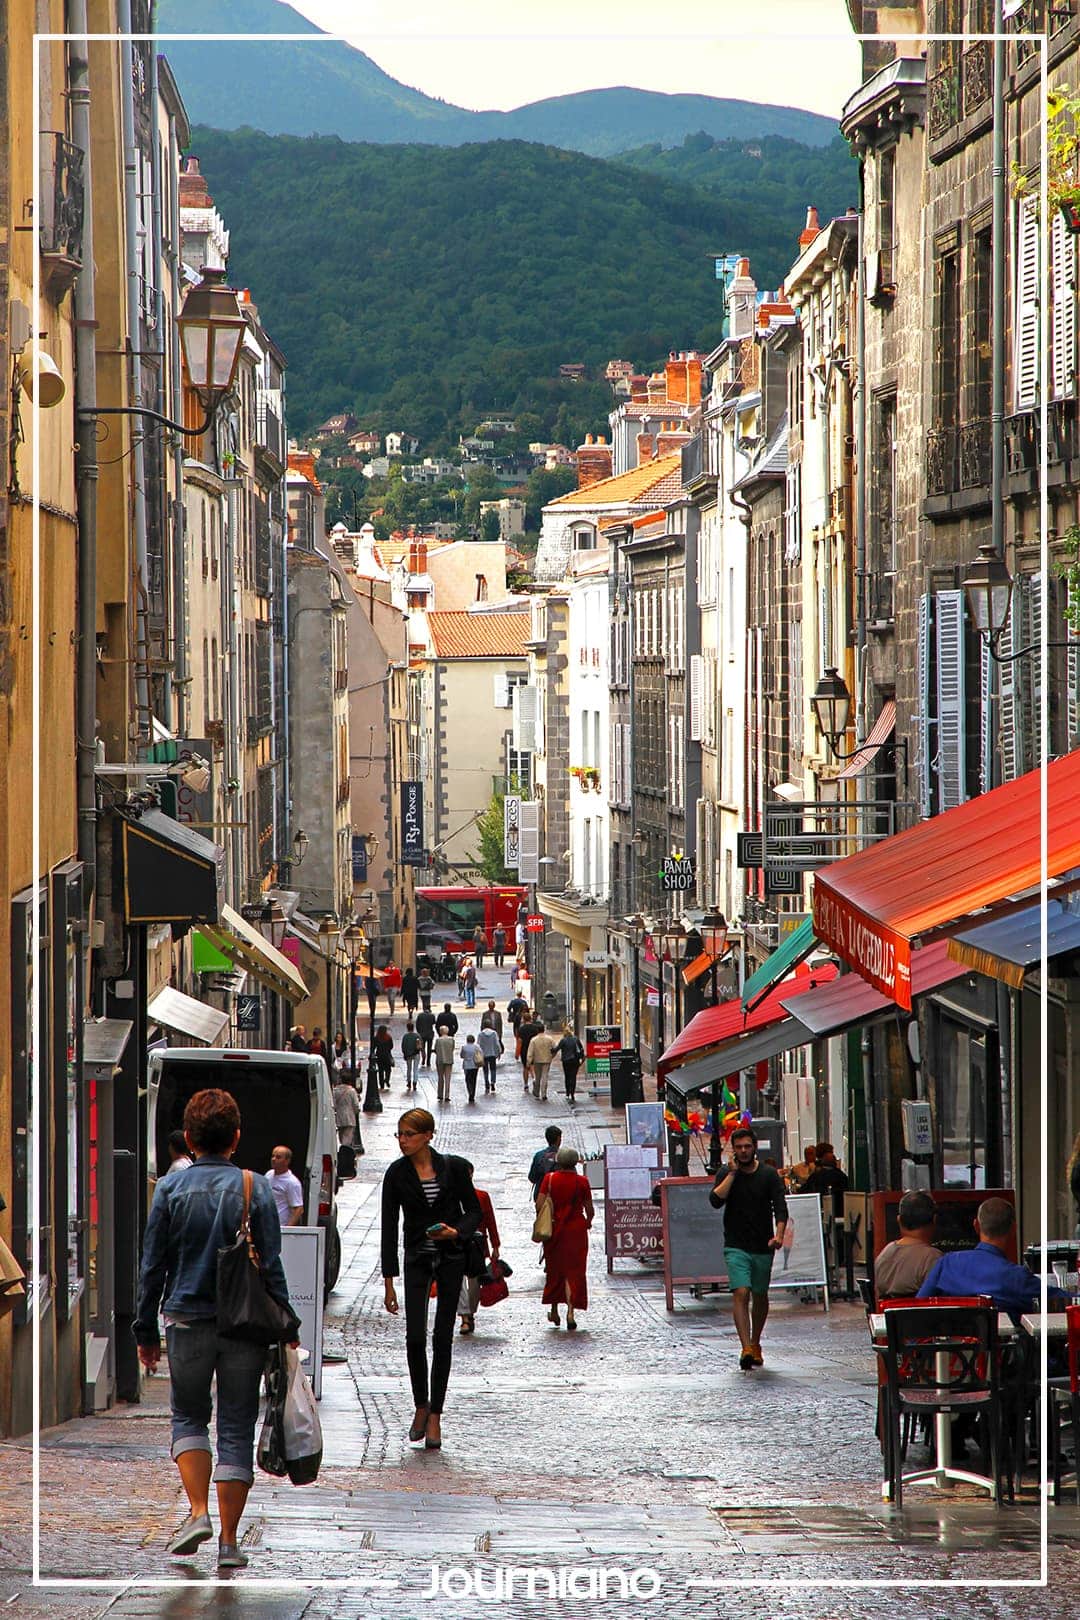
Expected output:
(460, 634)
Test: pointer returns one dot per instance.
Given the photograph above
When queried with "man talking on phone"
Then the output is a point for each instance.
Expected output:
(752, 1198)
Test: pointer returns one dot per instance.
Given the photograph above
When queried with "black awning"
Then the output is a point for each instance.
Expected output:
(170, 874)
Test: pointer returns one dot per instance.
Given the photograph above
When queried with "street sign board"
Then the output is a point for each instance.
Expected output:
(677, 873)
(534, 923)
(248, 1012)
(600, 1041)
(412, 824)
(597, 960)
(512, 831)
(302, 1257)
(632, 1222)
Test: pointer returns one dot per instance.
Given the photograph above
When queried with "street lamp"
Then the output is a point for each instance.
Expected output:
(355, 943)
(831, 704)
(988, 588)
(329, 934)
(300, 843)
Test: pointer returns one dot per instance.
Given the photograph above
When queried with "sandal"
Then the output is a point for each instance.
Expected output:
(468, 1324)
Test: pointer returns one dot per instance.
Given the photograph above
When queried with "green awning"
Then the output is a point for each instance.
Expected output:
(205, 957)
(798, 945)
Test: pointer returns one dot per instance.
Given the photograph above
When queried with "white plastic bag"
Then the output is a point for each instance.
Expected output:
(302, 1429)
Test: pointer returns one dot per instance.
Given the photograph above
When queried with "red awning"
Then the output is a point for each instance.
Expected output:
(938, 875)
(715, 1026)
(880, 732)
(850, 1000)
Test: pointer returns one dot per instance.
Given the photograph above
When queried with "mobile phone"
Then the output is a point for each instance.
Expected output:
(431, 1230)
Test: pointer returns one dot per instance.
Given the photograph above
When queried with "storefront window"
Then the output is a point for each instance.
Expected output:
(962, 1106)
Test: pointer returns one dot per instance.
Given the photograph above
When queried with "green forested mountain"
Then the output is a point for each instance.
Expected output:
(419, 286)
(328, 88)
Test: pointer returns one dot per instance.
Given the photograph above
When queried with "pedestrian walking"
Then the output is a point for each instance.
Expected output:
(410, 1051)
(286, 1188)
(432, 1196)
(540, 1053)
(462, 959)
(425, 1028)
(391, 983)
(488, 1233)
(192, 1216)
(425, 984)
(346, 1110)
(492, 1018)
(410, 990)
(498, 944)
(479, 944)
(530, 1025)
(523, 982)
(572, 1055)
(444, 1061)
(471, 1059)
(318, 1047)
(490, 1050)
(543, 1160)
(371, 990)
(470, 983)
(298, 1039)
(516, 1008)
(383, 1050)
(752, 1198)
(566, 1251)
(339, 1055)
(449, 1018)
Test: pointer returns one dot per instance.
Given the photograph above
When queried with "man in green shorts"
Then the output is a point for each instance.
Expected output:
(752, 1198)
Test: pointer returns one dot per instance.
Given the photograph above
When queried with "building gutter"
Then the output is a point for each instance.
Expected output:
(860, 481)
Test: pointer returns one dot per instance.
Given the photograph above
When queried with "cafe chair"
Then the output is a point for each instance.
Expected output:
(1064, 1398)
(941, 1359)
(866, 1293)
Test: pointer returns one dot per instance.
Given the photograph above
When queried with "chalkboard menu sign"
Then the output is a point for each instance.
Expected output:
(632, 1225)
(694, 1240)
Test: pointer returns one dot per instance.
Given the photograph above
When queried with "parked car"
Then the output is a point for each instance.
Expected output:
(283, 1097)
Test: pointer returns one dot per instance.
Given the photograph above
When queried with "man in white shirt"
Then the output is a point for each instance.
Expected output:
(287, 1191)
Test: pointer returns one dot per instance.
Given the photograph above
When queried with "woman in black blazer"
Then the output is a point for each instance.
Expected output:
(434, 1195)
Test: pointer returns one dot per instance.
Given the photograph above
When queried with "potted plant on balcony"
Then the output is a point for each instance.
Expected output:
(1062, 159)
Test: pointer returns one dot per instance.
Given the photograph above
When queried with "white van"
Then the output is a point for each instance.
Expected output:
(283, 1097)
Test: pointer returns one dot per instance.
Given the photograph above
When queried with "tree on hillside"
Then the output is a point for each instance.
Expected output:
(489, 525)
(541, 487)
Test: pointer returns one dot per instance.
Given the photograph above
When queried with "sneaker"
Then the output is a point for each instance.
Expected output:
(746, 1361)
(230, 1557)
(755, 1351)
(191, 1534)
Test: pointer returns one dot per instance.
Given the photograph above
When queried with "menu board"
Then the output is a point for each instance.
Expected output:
(632, 1222)
(694, 1240)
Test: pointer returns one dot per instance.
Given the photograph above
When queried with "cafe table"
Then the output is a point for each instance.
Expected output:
(943, 1472)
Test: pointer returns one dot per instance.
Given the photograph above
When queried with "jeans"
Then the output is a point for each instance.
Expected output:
(196, 1355)
(417, 1289)
(491, 1065)
(470, 1083)
(411, 1066)
(470, 995)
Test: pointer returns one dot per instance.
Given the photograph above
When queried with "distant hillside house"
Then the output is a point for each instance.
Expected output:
(401, 444)
(496, 425)
(511, 514)
(366, 442)
(430, 470)
(574, 370)
(377, 467)
(334, 426)
(550, 456)
(476, 444)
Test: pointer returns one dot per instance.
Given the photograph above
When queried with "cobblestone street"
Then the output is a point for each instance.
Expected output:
(635, 1445)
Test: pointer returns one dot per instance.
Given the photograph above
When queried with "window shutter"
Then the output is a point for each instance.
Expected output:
(697, 698)
(925, 625)
(1063, 291)
(1073, 694)
(1011, 725)
(525, 708)
(502, 690)
(1026, 321)
(529, 842)
(986, 725)
(951, 750)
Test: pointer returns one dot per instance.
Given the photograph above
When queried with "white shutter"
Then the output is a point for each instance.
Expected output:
(697, 698)
(951, 749)
(986, 725)
(529, 846)
(525, 710)
(1034, 663)
(1073, 693)
(1063, 291)
(1026, 314)
(925, 621)
(1011, 723)
(502, 690)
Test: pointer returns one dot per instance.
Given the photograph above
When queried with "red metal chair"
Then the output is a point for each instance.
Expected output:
(1064, 1395)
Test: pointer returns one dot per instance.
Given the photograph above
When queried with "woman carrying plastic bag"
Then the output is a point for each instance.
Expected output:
(291, 1441)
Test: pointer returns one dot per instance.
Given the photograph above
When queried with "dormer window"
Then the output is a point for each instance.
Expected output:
(584, 539)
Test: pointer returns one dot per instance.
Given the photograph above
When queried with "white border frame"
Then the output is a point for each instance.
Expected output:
(1041, 40)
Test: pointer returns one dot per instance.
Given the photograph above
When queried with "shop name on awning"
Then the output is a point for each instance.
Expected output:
(877, 954)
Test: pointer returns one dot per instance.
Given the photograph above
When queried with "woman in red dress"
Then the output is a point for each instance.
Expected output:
(566, 1252)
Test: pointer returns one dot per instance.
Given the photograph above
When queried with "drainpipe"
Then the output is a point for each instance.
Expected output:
(138, 460)
(860, 481)
(231, 704)
(86, 463)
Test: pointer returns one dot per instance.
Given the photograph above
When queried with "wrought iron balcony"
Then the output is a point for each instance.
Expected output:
(977, 71)
(62, 205)
(975, 453)
(940, 461)
(1029, 18)
(880, 598)
(943, 100)
(269, 426)
(1022, 442)
(1061, 14)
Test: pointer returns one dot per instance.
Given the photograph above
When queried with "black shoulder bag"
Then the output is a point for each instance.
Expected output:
(245, 1307)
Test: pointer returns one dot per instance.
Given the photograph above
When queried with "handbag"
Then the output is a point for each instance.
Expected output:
(475, 1255)
(245, 1307)
(492, 1292)
(544, 1224)
(495, 1271)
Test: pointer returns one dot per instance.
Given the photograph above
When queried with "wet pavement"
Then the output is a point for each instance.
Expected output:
(631, 1464)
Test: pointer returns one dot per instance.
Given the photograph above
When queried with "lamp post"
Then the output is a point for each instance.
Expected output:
(372, 1099)
(355, 944)
(713, 929)
(329, 934)
(636, 928)
(831, 704)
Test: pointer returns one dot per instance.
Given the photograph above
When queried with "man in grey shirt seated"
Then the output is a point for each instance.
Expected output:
(902, 1266)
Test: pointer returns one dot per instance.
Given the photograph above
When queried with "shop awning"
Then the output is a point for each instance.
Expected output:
(1006, 948)
(798, 944)
(720, 1032)
(170, 874)
(880, 732)
(741, 1052)
(950, 871)
(246, 948)
(850, 1000)
(173, 1010)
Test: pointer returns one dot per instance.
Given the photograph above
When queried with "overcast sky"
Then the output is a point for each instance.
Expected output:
(494, 53)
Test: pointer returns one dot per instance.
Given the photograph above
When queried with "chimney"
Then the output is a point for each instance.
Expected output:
(639, 388)
(645, 448)
(693, 380)
(672, 436)
(676, 370)
(194, 192)
(657, 388)
(418, 557)
(811, 229)
(593, 461)
(741, 300)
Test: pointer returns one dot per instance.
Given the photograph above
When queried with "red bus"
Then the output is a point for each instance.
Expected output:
(447, 917)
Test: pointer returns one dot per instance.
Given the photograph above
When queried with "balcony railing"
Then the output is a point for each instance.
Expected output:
(977, 75)
(269, 426)
(1029, 18)
(1022, 442)
(1061, 14)
(975, 453)
(943, 100)
(1064, 431)
(880, 598)
(62, 200)
(940, 461)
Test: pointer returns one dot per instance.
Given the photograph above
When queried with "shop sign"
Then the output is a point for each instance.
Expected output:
(652, 997)
(511, 831)
(248, 1012)
(412, 825)
(878, 954)
(534, 923)
(597, 961)
(600, 1041)
(677, 873)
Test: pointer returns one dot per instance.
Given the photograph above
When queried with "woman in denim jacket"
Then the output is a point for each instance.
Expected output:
(194, 1214)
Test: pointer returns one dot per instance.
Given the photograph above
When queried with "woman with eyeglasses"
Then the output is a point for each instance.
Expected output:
(433, 1196)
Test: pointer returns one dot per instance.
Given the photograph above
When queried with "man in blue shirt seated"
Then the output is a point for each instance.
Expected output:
(986, 1269)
